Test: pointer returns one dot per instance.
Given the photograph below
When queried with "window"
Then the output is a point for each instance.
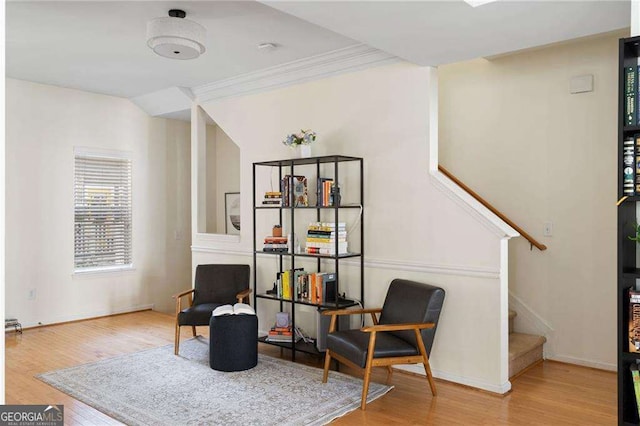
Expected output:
(102, 199)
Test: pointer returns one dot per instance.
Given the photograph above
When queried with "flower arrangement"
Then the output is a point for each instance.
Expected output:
(305, 137)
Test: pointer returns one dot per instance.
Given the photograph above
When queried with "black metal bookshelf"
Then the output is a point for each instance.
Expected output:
(311, 167)
(627, 266)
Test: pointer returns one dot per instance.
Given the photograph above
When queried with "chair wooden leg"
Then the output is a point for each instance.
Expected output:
(193, 329)
(427, 369)
(389, 373)
(425, 362)
(367, 370)
(177, 343)
(327, 364)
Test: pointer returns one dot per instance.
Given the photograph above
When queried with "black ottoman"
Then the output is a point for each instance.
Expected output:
(233, 342)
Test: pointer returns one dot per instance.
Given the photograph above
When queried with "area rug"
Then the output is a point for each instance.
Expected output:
(155, 387)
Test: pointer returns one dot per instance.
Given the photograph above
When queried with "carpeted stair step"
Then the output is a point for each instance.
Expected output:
(524, 350)
(512, 317)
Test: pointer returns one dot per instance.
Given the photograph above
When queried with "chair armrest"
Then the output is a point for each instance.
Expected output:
(242, 294)
(398, 327)
(352, 311)
(184, 293)
(178, 298)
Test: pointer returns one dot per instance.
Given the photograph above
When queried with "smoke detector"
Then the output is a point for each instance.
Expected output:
(176, 37)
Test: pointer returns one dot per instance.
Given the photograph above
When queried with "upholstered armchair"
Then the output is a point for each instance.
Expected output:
(402, 335)
(214, 285)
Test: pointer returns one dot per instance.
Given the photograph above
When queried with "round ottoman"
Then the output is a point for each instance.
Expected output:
(233, 342)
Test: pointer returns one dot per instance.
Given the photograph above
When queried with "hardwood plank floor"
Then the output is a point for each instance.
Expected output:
(548, 394)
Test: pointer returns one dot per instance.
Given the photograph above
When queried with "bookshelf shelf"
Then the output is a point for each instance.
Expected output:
(317, 256)
(340, 304)
(299, 346)
(318, 172)
(630, 356)
(627, 265)
(631, 273)
(342, 206)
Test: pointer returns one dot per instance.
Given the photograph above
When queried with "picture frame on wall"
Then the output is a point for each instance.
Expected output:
(232, 213)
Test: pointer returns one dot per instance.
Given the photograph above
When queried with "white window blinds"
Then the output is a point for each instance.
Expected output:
(102, 197)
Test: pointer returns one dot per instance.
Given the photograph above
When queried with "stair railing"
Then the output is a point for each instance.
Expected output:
(532, 241)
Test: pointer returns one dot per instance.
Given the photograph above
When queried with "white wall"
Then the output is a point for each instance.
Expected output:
(413, 230)
(43, 124)
(511, 130)
(223, 175)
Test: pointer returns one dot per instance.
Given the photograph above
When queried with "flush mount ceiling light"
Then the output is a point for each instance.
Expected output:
(175, 37)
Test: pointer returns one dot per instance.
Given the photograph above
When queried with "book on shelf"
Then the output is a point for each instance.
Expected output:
(630, 94)
(275, 244)
(635, 377)
(310, 287)
(637, 164)
(237, 309)
(634, 320)
(282, 339)
(323, 236)
(629, 166)
(294, 191)
(272, 198)
(324, 191)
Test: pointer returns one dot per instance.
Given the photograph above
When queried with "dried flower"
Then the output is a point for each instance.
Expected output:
(305, 137)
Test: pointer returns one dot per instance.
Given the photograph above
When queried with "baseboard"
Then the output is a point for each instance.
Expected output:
(598, 365)
(88, 316)
(466, 381)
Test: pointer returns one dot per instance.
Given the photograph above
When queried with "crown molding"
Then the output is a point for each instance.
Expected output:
(324, 65)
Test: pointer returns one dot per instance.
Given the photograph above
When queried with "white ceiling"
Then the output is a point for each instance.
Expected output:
(101, 46)
(441, 32)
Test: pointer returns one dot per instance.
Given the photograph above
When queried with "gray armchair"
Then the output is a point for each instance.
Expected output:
(214, 285)
(403, 334)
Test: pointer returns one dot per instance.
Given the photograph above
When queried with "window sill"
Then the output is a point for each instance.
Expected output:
(105, 270)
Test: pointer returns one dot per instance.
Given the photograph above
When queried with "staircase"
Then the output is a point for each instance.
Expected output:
(525, 350)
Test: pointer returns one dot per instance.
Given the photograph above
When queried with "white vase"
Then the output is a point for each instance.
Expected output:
(304, 151)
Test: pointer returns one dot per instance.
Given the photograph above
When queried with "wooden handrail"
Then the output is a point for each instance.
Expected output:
(495, 211)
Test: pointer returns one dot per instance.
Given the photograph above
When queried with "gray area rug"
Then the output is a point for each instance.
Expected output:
(155, 387)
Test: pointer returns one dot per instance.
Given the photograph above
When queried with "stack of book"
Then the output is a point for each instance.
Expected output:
(284, 335)
(272, 198)
(281, 334)
(275, 244)
(322, 237)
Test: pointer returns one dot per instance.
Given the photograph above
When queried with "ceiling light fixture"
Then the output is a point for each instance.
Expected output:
(175, 37)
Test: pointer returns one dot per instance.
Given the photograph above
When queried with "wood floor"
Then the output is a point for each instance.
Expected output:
(548, 394)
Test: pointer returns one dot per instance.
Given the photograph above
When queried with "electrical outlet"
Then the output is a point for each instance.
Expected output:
(548, 229)
(178, 235)
(32, 294)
